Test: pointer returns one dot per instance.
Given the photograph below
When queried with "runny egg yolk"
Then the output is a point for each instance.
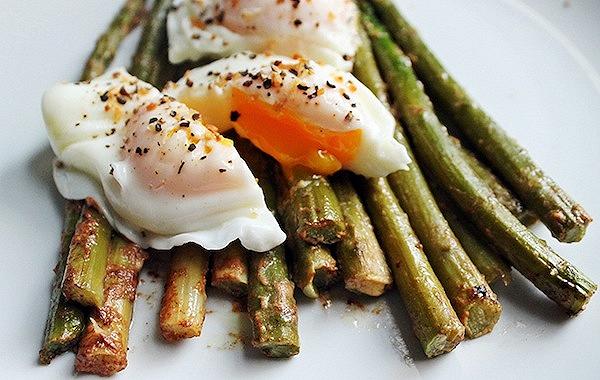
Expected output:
(290, 140)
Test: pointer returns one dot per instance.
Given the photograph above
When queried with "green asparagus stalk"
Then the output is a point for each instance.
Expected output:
(65, 321)
(504, 195)
(474, 301)
(435, 323)
(103, 346)
(106, 47)
(184, 300)
(229, 270)
(67, 326)
(365, 68)
(314, 266)
(530, 255)
(566, 219)
(86, 263)
(500, 190)
(150, 61)
(271, 304)
(315, 208)
(481, 253)
(361, 260)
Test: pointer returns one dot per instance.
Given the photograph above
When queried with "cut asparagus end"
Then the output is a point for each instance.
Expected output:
(481, 317)
(315, 207)
(314, 268)
(184, 301)
(86, 264)
(230, 270)
(439, 344)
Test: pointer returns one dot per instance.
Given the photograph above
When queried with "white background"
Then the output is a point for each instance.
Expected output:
(532, 64)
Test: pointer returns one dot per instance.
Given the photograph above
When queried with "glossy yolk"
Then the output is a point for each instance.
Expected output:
(290, 140)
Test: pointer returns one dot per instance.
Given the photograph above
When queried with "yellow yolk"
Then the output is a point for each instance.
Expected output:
(290, 140)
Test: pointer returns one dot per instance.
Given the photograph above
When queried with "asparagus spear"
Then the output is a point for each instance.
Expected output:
(434, 321)
(86, 263)
(472, 298)
(103, 346)
(314, 208)
(504, 195)
(184, 300)
(481, 253)
(271, 304)
(365, 68)
(67, 326)
(150, 61)
(230, 270)
(530, 255)
(566, 219)
(65, 321)
(314, 266)
(108, 43)
(361, 260)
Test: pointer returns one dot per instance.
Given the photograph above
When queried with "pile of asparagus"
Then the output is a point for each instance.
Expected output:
(443, 231)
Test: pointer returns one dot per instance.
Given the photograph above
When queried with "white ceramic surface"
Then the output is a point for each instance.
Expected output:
(532, 64)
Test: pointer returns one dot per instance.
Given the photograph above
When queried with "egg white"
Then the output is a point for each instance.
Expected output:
(320, 94)
(159, 175)
(321, 30)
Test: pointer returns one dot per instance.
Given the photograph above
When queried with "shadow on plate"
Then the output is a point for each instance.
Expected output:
(529, 300)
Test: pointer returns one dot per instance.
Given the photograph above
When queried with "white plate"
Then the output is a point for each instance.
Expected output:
(533, 65)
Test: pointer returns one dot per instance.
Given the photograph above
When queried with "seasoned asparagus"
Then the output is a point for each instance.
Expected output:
(271, 304)
(65, 321)
(184, 300)
(229, 270)
(86, 264)
(314, 208)
(365, 68)
(565, 218)
(474, 301)
(479, 250)
(103, 346)
(67, 326)
(150, 61)
(314, 266)
(504, 195)
(360, 258)
(106, 47)
(530, 255)
(435, 323)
